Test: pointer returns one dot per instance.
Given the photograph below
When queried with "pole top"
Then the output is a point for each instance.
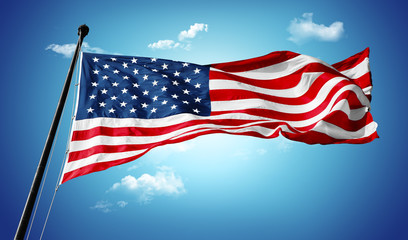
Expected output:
(83, 30)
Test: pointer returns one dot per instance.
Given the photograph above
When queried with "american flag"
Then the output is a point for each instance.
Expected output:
(128, 105)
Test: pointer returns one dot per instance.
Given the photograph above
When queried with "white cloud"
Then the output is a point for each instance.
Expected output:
(164, 44)
(304, 29)
(122, 204)
(103, 206)
(183, 35)
(67, 50)
(192, 32)
(164, 182)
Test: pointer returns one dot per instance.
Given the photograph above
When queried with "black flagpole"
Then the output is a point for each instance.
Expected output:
(25, 217)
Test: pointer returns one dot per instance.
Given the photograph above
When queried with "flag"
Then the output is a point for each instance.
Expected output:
(128, 105)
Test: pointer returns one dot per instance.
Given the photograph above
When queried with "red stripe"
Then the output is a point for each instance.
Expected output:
(80, 135)
(255, 63)
(341, 120)
(352, 61)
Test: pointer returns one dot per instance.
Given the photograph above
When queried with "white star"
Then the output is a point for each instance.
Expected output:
(105, 66)
(197, 70)
(153, 59)
(176, 74)
(135, 71)
(95, 59)
(115, 84)
(124, 90)
(197, 85)
(187, 80)
(113, 98)
(144, 105)
(94, 84)
(155, 70)
(113, 59)
(123, 104)
(153, 110)
(132, 110)
(173, 107)
(112, 110)
(92, 96)
(96, 71)
(197, 99)
(102, 104)
(104, 91)
(125, 77)
(174, 96)
(145, 77)
(136, 85)
(185, 102)
(116, 71)
(145, 92)
(134, 60)
(196, 111)
(185, 91)
(155, 83)
(105, 77)
(185, 64)
(164, 66)
(175, 83)
(164, 102)
(164, 76)
(164, 89)
(90, 110)
(155, 98)
(134, 97)
(125, 65)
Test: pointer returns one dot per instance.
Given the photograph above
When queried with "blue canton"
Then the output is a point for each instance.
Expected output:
(138, 87)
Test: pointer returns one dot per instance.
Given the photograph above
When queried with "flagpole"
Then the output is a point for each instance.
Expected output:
(28, 208)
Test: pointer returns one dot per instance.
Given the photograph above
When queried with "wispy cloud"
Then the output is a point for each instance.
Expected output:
(67, 50)
(183, 37)
(107, 207)
(304, 29)
(122, 204)
(284, 144)
(261, 151)
(103, 206)
(146, 187)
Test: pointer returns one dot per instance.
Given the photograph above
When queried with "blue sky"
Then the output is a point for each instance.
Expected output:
(215, 186)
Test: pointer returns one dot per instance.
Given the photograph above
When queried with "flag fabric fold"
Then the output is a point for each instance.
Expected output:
(128, 105)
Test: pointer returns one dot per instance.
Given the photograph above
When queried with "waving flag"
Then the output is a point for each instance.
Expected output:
(129, 105)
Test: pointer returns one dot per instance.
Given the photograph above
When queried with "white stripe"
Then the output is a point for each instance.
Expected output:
(278, 70)
(358, 70)
(339, 133)
(99, 158)
(367, 90)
